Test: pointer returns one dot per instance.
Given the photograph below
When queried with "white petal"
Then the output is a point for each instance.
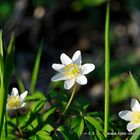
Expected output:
(87, 68)
(131, 126)
(23, 104)
(58, 77)
(23, 95)
(69, 83)
(14, 92)
(58, 67)
(65, 59)
(135, 106)
(82, 80)
(77, 58)
(126, 115)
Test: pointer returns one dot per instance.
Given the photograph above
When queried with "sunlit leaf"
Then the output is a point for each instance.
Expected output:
(136, 135)
(48, 128)
(48, 113)
(44, 135)
(36, 96)
(94, 122)
(37, 106)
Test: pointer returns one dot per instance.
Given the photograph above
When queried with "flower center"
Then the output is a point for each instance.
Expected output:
(13, 102)
(71, 71)
(136, 117)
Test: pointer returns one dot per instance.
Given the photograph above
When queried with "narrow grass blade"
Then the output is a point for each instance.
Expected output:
(9, 61)
(19, 81)
(107, 69)
(1, 84)
(35, 70)
(7, 70)
(1, 93)
(1, 44)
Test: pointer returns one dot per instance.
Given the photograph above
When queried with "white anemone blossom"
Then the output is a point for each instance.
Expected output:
(15, 100)
(132, 116)
(72, 70)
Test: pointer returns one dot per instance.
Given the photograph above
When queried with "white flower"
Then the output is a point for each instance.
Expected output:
(15, 100)
(71, 70)
(132, 116)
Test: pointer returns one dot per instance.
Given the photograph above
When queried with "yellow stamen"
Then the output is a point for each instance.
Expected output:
(71, 71)
(136, 117)
(13, 102)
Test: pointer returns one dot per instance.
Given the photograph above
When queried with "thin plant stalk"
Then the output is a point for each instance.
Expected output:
(68, 104)
(17, 124)
(5, 126)
(107, 70)
(70, 100)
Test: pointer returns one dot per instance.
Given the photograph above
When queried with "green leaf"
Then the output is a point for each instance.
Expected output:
(48, 113)
(94, 122)
(78, 125)
(37, 121)
(75, 122)
(62, 130)
(65, 133)
(30, 117)
(80, 128)
(36, 96)
(37, 106)
(134, 87)
(91, 130)
(44, 135)
(48, 128)
(35, 70)
(136, 135)
(100, 135)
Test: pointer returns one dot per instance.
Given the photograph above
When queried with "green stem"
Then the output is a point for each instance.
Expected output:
(68, 104)
(5, 121)
(107, 70)
(17, 124)
(16, 118)
(72, 95)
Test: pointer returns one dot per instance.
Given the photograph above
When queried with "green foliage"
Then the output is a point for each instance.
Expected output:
(126, 89)
(94, 122)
